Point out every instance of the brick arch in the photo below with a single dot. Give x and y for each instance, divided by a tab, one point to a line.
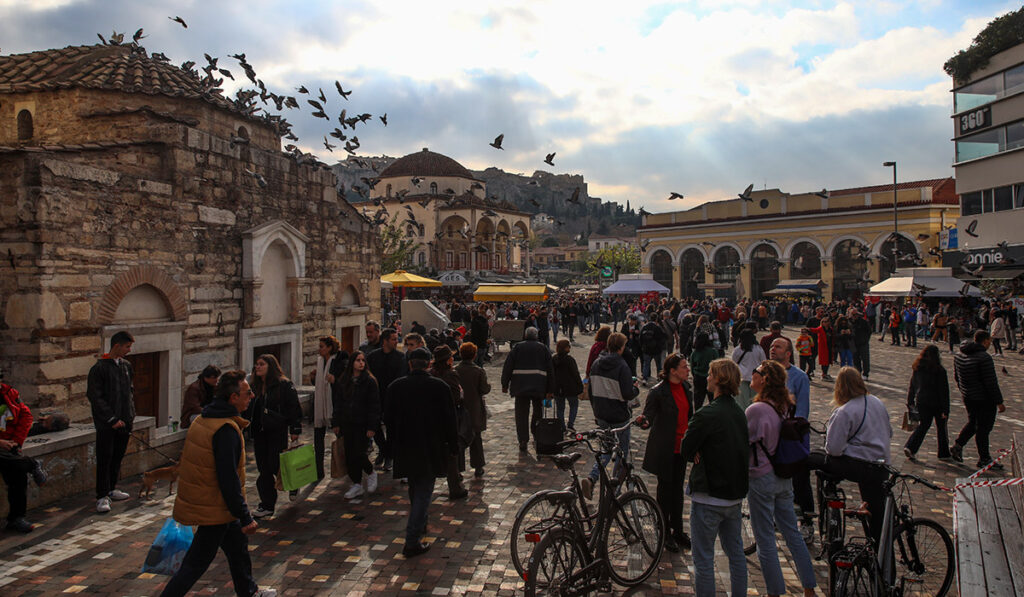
137	276
354	281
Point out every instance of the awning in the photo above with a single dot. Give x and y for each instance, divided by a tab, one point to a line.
926	286
403	279
1009	273
635	287
511	292
791	292
805	284
715	286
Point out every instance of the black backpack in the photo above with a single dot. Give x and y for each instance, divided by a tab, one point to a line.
649	341
790	455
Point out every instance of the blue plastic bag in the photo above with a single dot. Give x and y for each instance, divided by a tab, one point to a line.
168	549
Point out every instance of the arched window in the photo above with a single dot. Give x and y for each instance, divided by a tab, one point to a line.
244	152
906	254
25	131
805	262
661	267
387	191
849	264
692	270
764	270
727	269
433	188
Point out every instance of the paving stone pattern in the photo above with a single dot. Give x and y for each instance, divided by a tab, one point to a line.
323	544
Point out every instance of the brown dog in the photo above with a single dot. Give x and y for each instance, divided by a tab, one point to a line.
150	478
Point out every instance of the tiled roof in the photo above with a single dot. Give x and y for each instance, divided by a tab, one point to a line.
126	68
935	183
426	163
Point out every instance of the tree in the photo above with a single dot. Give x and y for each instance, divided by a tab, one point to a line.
624	259
399	249
549	241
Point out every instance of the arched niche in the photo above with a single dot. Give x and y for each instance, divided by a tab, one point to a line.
277	267
143	304
805	261
726	262
764	269
691	267
26	129
661	268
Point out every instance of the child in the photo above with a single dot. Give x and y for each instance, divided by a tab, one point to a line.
805	347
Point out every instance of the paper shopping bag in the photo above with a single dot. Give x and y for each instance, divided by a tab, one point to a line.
339	468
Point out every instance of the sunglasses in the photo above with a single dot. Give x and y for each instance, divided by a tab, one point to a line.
760	372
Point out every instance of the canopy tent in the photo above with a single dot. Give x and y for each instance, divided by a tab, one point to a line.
552	288
923	282
635	287
1006	273
511	292
791	292
803	284
403	279
385	285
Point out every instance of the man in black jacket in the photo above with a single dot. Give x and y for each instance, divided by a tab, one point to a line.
975	374
861	343
387	364
421	423
652	342
529	375
110	394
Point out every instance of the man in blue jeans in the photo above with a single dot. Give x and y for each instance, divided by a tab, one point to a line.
421	419
716	441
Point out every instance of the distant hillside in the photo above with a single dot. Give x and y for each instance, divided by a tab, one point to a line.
551	191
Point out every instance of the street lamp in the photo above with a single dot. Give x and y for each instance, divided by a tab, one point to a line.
895	215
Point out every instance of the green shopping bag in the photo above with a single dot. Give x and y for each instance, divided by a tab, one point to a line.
298	467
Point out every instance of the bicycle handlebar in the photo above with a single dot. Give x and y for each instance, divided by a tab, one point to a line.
599	433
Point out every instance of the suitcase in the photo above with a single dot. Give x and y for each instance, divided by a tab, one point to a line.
548	432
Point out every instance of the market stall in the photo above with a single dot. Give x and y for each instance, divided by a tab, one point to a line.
928	282
511	292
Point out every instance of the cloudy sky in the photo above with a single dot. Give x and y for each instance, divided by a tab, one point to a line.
643	97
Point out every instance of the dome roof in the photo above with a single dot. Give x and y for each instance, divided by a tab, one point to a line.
426	163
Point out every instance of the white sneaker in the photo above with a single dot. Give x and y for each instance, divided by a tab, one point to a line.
103	505
265	593
117	495
371	482
260	512
354	491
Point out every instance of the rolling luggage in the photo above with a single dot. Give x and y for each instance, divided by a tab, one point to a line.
548	432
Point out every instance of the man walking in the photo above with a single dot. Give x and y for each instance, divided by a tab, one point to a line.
110	394
387	364
211	490
421	422
862	331
652	341
975	374
528	374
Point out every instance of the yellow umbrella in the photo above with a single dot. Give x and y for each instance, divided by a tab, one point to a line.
403	279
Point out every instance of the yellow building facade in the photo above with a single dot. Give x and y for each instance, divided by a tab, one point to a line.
845	238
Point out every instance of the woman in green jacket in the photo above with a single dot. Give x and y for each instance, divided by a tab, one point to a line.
703	353
716	441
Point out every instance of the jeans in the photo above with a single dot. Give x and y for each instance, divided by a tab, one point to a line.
910	331
917	437
862	359
525	422
645	364
707	522
845	357
574	405
420	492
603	459
111	445
267	449
770	500
981	417
227	537
15	470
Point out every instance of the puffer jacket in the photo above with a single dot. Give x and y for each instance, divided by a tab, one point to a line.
975	374
611	388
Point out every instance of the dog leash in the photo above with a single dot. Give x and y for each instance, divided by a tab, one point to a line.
150	446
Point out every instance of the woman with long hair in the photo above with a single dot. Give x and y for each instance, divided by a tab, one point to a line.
668	410
475	386
700	359
276	415
568	386
747	355
600	341
929	393
441	367
770	497
356	419
330	364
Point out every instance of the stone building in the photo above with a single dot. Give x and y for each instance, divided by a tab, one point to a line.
133	198
445	209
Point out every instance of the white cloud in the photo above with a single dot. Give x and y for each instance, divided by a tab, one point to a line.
34	5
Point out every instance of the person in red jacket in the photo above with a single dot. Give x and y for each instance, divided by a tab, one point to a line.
15	421
824	354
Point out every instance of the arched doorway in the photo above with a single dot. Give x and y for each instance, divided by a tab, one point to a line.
805	262
849	267
727	270
661	268
764	269
906	255
692	273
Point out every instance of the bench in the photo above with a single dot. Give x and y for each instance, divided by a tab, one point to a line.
990	535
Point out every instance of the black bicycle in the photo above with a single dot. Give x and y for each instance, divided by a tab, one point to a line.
622	544
538	515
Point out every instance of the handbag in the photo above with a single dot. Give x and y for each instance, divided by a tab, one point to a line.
168	549
585	394
339	467
298	467
911	419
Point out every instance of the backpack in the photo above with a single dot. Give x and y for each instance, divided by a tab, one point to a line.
790	456
649	341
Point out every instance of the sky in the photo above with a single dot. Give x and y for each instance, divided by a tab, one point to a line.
643	98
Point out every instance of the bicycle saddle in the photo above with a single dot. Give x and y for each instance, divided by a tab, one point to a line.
565	461
565	498
861	510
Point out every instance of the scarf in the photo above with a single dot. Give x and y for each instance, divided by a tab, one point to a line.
323	407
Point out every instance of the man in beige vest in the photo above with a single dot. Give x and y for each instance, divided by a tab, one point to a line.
211	490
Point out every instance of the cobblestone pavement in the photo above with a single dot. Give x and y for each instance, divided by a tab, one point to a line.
324	544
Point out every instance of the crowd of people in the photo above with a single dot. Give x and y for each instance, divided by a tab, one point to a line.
717	399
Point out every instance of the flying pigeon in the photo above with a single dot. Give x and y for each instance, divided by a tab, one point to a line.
823	193
180	21
497	141
550	159
342	92
745	195
675	195
971	228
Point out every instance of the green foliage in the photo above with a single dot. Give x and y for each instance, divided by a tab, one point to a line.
624	259
399	249
549	241
1001	34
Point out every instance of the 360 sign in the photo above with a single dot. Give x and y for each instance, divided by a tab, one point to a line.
975	119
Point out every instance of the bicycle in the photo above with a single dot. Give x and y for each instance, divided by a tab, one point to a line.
537	515
915	556
624	543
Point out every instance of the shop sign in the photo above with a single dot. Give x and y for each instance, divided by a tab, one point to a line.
975	119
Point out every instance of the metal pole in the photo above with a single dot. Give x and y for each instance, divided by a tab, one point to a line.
895	216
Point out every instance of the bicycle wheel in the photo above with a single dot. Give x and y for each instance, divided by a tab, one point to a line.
535	518
924	558
635	539
747	531
855	581
556	558
635	483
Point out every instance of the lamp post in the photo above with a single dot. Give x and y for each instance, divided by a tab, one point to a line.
895	216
